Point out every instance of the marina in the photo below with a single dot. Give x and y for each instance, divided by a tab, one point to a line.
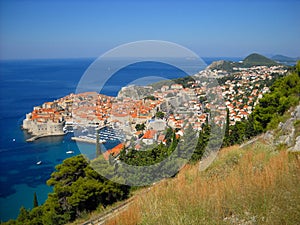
106	134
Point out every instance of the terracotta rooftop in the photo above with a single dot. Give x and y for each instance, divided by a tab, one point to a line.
114	151
150	134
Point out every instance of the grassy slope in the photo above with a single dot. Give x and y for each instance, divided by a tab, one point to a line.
254	185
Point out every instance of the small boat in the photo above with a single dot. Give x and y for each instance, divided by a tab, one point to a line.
70	152
39	163
14	140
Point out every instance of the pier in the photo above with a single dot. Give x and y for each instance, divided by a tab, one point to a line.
33	138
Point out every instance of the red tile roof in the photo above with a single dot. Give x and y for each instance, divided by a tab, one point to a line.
150	134
114	151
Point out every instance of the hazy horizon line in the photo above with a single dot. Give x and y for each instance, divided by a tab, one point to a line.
95	57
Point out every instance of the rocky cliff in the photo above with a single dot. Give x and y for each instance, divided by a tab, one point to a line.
287	133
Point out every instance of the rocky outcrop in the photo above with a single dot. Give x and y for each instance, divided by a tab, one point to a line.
297	145
285	134
135	92
222	65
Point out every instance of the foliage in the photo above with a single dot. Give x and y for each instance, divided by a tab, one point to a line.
203	139
160	115
150	97
35	200
226	141
139	127
77	189
284	94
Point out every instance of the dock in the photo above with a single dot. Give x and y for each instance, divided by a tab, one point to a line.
33	138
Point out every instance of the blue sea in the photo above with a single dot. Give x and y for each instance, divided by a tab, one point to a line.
28	83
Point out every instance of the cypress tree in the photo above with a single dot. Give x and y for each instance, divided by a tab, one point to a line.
35	200
226	136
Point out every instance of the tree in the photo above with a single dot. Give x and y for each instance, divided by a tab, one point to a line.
249	128
284	94
203	139
36	215
79	188
226	135
173	144
23	216
169	135
139	127
237	133
160	115
35	200
151	97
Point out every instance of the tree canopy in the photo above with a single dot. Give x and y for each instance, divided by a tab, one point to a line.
77	189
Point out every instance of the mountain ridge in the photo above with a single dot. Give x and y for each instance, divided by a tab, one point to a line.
285	59
253	59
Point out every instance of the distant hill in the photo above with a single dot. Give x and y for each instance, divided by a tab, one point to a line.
251	60
223	65
285	59
258	60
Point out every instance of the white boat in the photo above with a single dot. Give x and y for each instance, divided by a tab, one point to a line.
39	163
70	152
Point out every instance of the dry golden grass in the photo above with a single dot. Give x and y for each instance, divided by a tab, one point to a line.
252	186
131	216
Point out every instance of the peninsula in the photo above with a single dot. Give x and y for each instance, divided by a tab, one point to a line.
169	105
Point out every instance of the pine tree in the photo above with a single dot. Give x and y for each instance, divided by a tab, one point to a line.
23	215
35	200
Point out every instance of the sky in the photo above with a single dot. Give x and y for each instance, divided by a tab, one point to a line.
77	29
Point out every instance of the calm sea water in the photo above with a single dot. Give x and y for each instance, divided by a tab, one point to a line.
27	83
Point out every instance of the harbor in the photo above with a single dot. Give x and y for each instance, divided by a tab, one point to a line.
106	134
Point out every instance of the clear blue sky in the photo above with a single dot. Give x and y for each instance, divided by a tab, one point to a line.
59	29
